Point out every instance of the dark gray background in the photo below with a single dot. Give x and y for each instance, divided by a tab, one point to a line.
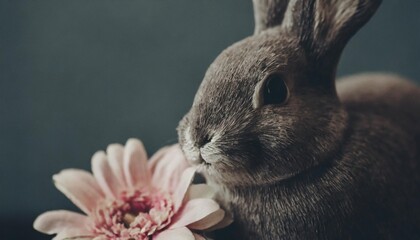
77	75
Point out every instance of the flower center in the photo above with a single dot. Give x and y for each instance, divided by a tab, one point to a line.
128	218
135	215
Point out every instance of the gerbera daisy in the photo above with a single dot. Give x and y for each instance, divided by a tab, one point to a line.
130	198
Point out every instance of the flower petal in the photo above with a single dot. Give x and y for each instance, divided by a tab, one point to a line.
201	191
115	153
154	160
167	166
80	187
182	233
135	164
198	237
182	188
226	221
194	211
209	221
72	234
104	175
96	238
60	221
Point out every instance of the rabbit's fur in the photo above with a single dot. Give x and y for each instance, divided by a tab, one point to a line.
334	161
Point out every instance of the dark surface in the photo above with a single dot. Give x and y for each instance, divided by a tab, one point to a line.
78	75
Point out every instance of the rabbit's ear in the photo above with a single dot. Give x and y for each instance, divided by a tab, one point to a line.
325	26
268	13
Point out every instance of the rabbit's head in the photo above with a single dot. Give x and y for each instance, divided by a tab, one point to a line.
267	108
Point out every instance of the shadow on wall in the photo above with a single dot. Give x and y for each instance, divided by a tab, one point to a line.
78	75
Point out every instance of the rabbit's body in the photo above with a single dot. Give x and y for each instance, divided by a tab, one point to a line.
368	188
295	155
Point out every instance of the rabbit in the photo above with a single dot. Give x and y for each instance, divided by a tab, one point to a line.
295	154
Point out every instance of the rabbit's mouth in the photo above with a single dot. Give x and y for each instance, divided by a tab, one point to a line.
195	157
203	153
204	166
201	165
202	161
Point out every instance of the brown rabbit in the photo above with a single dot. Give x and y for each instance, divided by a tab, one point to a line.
296	156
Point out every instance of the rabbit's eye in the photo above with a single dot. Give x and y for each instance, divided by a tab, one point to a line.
275	90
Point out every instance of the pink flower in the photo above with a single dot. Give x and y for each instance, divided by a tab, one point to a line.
129	198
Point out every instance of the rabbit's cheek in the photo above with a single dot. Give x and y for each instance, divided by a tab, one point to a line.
192	153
